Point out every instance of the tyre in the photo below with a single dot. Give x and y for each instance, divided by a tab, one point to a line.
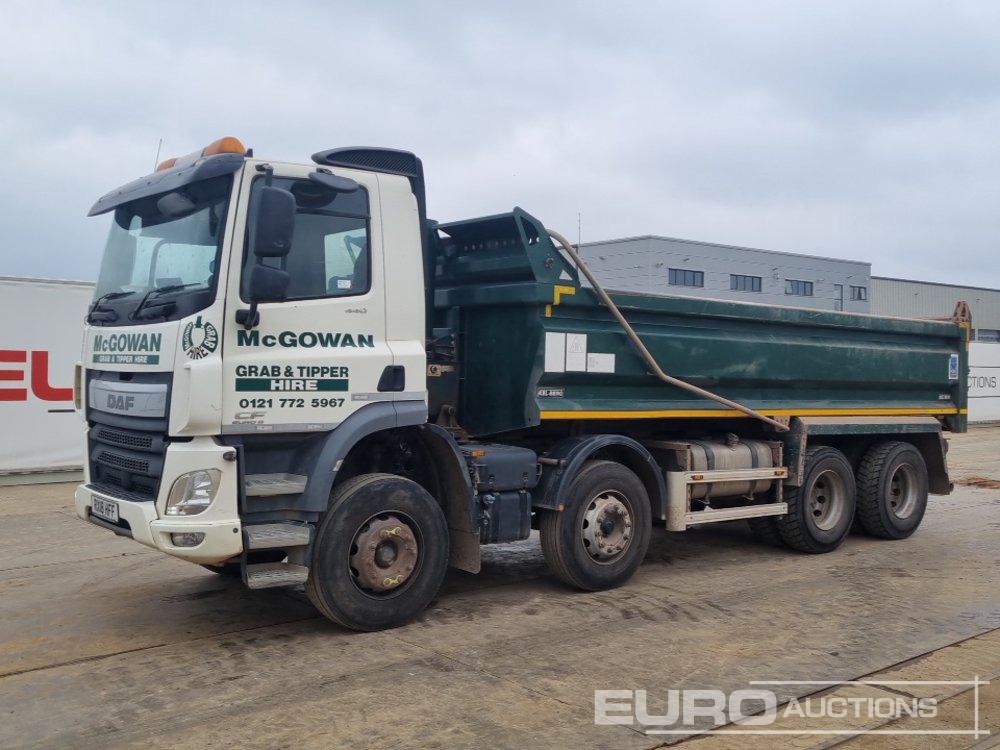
380	554
765	529
892	490
601	536
821	510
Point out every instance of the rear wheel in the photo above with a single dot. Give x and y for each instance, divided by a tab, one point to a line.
600	538
821	509
380	554
892	490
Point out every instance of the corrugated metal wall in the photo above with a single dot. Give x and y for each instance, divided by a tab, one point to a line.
921	299
642	264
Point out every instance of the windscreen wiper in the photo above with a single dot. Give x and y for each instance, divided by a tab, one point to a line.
95	314
160	309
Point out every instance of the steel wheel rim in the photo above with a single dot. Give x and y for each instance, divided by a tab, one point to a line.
607	527
827	500
902	496
384	556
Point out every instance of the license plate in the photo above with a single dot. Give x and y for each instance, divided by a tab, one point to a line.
106	509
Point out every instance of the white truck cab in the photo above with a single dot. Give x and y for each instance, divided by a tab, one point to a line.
171	382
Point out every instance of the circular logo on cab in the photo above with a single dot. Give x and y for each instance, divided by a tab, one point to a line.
200	339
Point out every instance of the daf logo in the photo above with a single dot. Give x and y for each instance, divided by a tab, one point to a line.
133	399
120	402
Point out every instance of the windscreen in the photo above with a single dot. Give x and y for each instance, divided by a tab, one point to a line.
166	246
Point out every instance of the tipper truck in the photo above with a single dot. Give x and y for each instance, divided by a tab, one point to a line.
291	375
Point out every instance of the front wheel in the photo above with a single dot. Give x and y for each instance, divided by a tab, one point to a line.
821	509
600	538
380	554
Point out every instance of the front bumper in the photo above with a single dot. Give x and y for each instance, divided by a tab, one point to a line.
147	523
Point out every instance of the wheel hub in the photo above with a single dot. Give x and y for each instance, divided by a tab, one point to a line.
607	527
827	499
903	492
384	554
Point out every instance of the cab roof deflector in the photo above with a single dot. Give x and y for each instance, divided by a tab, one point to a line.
167	180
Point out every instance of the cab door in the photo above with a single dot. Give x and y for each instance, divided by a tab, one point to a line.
317	356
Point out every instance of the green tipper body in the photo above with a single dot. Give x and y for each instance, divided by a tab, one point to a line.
521	343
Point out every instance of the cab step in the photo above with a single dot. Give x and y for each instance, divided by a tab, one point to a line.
272	575
278	535
266	485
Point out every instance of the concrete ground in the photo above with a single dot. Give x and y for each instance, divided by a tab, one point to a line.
106	644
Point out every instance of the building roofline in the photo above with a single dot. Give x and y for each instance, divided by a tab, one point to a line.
722	244
36	280
936	283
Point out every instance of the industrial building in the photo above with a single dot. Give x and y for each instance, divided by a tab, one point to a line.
926	299
667	265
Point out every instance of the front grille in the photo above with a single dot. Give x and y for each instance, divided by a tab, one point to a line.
125	463
134	465
142	489
123	438
126	453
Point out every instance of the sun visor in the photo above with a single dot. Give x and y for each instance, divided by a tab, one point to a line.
169	179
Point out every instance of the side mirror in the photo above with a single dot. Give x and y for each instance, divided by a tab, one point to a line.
268	284
274	222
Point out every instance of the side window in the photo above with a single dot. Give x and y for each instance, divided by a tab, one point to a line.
330	254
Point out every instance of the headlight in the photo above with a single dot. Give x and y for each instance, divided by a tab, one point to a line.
193	492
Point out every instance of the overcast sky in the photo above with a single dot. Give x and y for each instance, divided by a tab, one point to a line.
860	130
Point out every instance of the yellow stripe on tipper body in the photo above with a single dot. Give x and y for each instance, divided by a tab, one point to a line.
662	413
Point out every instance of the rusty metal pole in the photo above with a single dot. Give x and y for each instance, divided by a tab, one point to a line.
644	352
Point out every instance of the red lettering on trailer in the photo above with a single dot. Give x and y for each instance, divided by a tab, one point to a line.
13	356
40	380
39	369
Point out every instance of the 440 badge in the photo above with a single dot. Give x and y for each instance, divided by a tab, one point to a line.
200	338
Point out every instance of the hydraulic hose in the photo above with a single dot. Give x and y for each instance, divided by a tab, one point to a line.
644	352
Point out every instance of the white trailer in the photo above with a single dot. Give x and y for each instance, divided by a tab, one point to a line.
984	382
39	347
